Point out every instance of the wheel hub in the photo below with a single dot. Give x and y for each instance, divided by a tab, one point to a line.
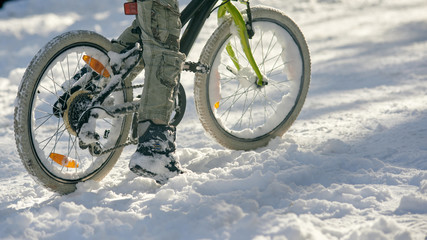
77	104
247	78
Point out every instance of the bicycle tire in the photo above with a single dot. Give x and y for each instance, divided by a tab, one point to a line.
227	121
40	87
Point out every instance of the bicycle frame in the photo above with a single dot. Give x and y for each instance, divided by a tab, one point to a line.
196	13
194	16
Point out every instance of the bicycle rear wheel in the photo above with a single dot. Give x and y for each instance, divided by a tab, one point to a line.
232	108
45	131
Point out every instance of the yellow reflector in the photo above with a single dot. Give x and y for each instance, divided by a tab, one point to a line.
64	160
216	105
96	65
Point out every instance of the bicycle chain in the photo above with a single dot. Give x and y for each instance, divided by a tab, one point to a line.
123	88
125	144
108	150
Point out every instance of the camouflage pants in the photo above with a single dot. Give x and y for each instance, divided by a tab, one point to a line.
160	27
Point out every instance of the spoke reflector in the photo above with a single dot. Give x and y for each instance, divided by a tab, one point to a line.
64	160
96	65
216	105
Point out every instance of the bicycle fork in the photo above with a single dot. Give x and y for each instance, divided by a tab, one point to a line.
245	32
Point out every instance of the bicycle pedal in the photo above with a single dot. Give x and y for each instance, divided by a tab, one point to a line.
196	67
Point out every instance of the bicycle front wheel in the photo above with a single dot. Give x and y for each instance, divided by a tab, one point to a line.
233	109
45	120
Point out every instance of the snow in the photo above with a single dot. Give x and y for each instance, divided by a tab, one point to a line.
353	165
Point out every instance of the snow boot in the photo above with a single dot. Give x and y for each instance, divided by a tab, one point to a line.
155	155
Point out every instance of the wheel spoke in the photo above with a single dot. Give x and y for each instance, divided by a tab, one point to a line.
235	97
43	122
54	135
244	110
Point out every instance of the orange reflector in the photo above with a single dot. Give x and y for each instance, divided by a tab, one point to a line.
64	160
216	105
96	65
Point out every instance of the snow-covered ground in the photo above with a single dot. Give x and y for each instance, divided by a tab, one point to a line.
353	166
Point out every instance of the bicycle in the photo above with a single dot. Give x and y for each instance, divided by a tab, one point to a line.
75	110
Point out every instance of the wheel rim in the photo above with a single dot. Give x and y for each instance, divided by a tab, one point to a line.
241	109
49	134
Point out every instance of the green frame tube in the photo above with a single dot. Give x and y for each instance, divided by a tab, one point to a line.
244	38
